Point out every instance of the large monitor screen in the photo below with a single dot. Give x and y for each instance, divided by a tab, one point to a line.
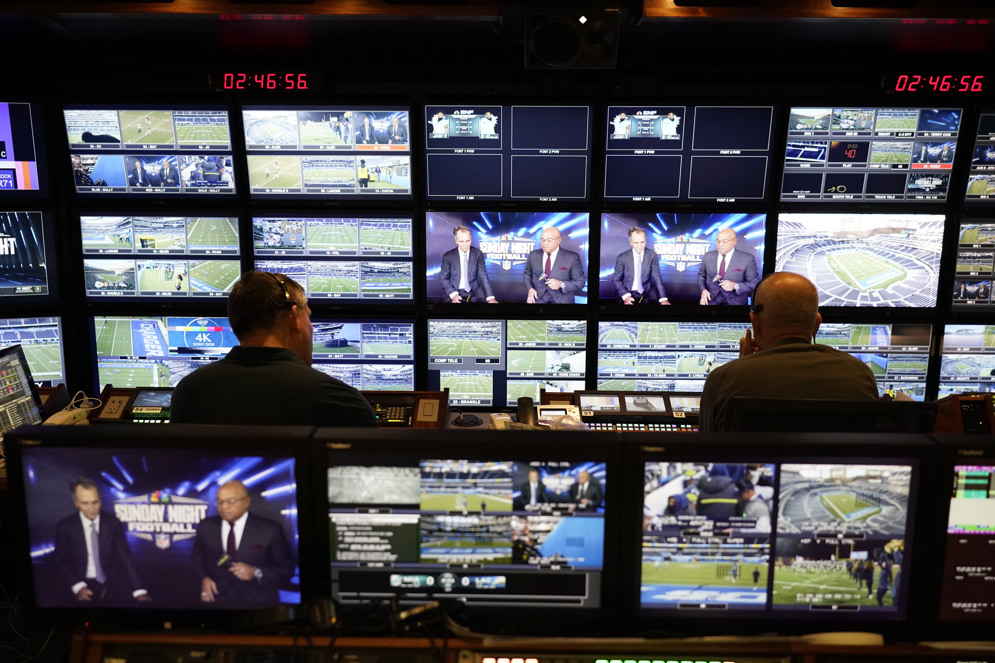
41	341
706	153
146	151
369	355
346	259
26	242
866	154
897	354
504	153
328	152
523	257
981	180
159	256
664	356
864	260
495	362
967	359
510	532
805	539
22	153
680	257
152	521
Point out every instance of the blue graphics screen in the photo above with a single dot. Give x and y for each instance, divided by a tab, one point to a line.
678	244
158	520
20	148
711	153
508	257
25	238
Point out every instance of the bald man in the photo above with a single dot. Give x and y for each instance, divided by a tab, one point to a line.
727	275
779	359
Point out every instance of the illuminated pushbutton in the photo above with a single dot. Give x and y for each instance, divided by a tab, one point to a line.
488	659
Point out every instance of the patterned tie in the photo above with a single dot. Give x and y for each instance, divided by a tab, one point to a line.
98	568
549	265
722	267
231	540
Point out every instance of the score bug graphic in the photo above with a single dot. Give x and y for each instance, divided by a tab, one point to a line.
209	336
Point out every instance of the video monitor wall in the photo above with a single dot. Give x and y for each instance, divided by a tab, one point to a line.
22	158
330	152
967	359
142	151
663	356
369	355
688	153
507	153
507	256
159	511
807	540
514	532
981	179
864	260
41	341
145	256
26	242
867	154
157	351
897	354
346	259
495	362
975	266
682	257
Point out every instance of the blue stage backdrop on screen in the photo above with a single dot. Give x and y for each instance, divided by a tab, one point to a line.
506	252
678	243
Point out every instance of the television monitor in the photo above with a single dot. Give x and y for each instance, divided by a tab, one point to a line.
20	404
896	353
41	341
356	259
432	518
975	265
967	359
159	256
688	153
777	529
332	152
513	263
495	362
864	260
160	151
981	178
370	355
157	497
866	154
680	242
27	244
507	153
157	351
663	356
23	167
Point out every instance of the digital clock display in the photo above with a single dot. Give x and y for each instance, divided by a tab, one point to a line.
932	83
264	80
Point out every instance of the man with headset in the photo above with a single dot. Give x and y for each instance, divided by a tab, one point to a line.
267	378
780	360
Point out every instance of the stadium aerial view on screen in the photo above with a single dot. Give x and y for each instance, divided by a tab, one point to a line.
871	260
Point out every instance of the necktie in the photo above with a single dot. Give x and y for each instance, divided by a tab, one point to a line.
98	568
580	493
231	540
532	487
549	265
637	279
464	282
722	267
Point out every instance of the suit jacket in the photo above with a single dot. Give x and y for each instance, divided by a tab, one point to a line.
741	269
650	274
567	268
525	498
476	278
397	135
169	177
133	178
264	545
363	139
593	492
115	555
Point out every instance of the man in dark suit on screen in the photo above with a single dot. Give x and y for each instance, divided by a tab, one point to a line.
463	272
137	175
586	494
552	274
645	283
242	559
168	174
92	553
727	275
532	493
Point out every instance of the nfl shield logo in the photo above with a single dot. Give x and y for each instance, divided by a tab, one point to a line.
162	541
